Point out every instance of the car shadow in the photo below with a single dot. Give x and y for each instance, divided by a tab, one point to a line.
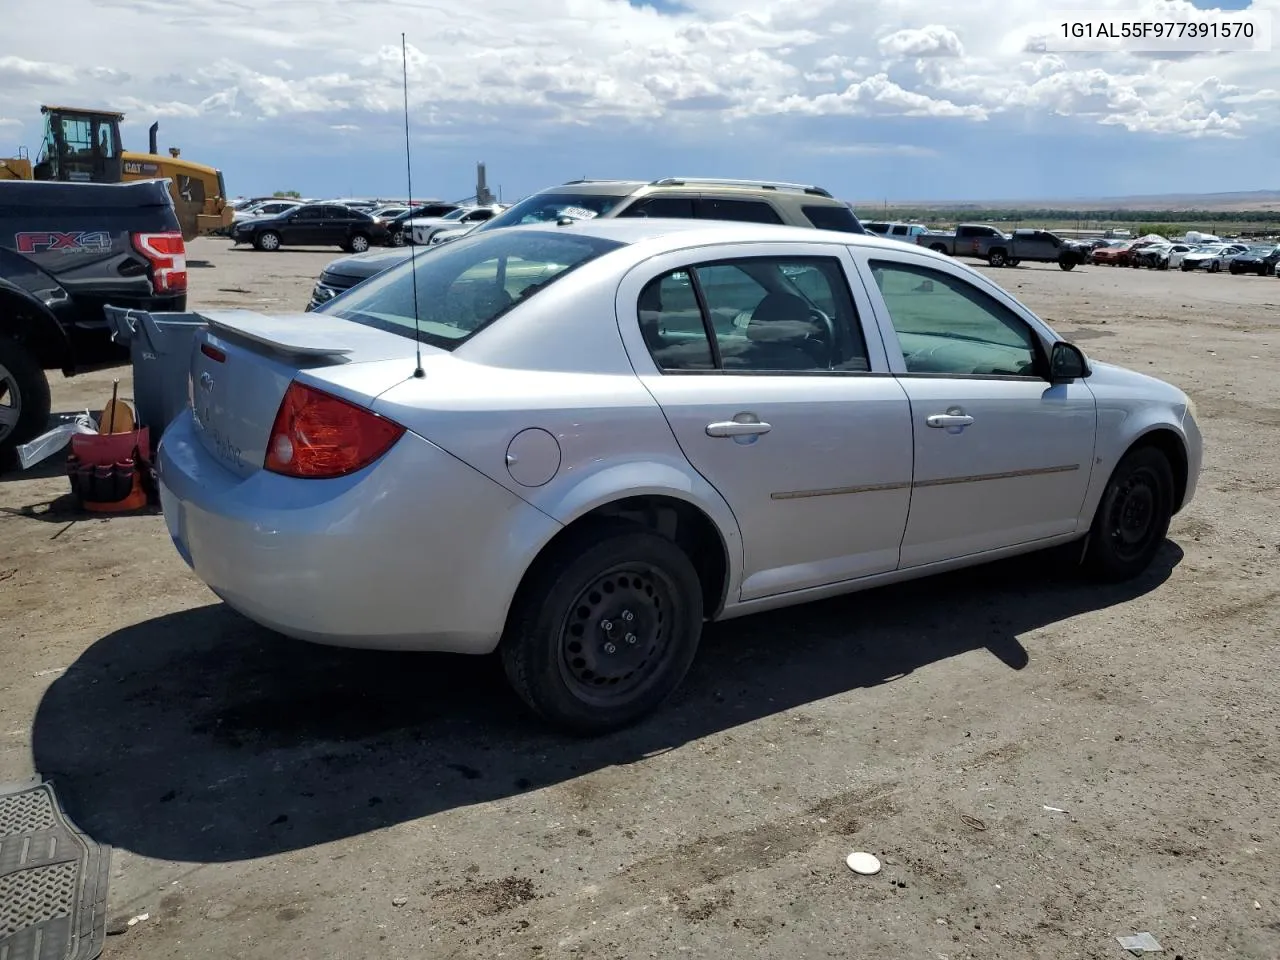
198	736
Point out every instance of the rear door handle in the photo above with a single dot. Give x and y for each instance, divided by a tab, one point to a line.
949	420
737	428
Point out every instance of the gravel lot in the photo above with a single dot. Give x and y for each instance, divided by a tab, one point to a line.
1116	746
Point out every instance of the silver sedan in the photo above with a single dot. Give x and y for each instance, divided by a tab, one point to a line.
578	443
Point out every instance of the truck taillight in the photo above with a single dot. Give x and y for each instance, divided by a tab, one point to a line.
167	254
318	435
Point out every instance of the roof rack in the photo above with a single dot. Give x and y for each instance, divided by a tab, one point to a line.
758	184
594	180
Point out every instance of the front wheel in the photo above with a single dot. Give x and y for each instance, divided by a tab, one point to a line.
1215	267
397	239
24	396
604	628
1066	264
1132	518
997	258
268	241
358	243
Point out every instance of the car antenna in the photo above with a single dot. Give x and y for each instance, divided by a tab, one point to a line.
418	372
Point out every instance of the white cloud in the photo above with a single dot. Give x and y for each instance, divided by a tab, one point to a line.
524	65
9	122
930	41
874	150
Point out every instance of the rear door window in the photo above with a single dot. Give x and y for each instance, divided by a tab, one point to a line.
751	211
679	207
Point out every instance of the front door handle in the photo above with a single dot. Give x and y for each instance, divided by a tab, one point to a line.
949	420
737	428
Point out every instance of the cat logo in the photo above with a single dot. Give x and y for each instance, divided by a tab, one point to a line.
140	168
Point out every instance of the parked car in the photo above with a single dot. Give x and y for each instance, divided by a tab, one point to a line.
66	249
1157	256
312	225
1035	246
1176	256
1259	258
908	232
421	229
264	208
755	201
430	209
1211	257
962	242
547	489
1114	254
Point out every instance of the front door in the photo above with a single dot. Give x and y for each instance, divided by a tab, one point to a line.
778	396
1002	456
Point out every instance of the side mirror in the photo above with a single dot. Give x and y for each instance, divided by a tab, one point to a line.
1067	362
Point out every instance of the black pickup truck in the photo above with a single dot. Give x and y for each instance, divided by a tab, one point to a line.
67	250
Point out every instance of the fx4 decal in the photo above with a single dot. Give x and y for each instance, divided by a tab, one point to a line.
73	241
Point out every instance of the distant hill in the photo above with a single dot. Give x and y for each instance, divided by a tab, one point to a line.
1251	200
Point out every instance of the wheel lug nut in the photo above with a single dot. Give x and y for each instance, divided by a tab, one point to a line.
610	648
606	625
630	638
628	615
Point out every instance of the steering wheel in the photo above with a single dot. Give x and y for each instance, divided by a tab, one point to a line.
828	340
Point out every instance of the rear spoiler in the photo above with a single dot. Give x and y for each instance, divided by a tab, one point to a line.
291	334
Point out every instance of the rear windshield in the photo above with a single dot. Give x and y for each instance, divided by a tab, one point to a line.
464	286
833	218
549	206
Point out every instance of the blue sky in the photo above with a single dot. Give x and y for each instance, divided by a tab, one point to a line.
875	99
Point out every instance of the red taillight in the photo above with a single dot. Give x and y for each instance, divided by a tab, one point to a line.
318	435
167	254
213	353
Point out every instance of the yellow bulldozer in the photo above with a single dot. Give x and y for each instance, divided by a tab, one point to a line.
84	145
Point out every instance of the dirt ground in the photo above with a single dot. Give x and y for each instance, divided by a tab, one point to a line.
1042	765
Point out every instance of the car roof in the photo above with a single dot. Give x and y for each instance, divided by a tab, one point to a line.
683	233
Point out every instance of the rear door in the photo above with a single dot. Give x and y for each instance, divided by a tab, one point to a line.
779	394
1002	456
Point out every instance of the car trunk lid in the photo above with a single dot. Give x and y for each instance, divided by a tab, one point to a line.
243	362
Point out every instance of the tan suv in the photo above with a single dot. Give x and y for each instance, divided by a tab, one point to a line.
755	201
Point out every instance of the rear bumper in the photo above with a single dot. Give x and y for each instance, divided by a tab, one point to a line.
416	552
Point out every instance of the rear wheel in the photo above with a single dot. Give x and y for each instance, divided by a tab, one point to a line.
1133	516
1014	262
358	243
604	628
397	239
997	258
24	396
268	241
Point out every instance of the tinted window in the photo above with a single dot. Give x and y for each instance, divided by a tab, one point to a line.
948	326
338	213
766	315
680	207
309	213
464	286
876	226
833	218
751	211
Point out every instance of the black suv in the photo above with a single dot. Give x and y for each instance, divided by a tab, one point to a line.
312	225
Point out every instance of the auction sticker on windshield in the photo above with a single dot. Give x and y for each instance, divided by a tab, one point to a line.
579	213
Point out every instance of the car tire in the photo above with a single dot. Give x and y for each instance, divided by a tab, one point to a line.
1215	267
268	241
1066	264
358	243
997	258
565	650
1132	519
24	386
1014	262
939	248
397	239
1186	268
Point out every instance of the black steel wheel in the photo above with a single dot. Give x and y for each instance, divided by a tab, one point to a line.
24	397
604	628
1133	516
